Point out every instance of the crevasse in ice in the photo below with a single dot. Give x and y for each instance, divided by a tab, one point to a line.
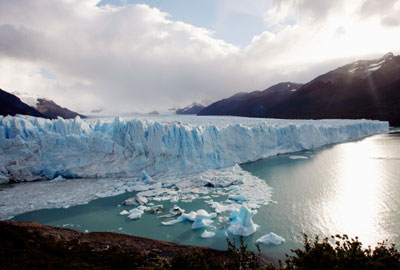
34	148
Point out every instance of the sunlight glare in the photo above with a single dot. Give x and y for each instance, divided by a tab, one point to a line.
355	208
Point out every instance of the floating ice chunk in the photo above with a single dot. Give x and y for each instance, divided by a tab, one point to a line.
139	186
271	239
124	212
220	208
204	213
240	198
176	210
201	222
137	213
223	219
207	234
141	200
172	222
58	178
242	223
155	209
147	178
202	219
110	193
137	200
153	190
189	216
298	157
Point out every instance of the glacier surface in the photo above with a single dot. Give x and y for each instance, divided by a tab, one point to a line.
40	149
159	158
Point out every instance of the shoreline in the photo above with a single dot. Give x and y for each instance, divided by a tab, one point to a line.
99	242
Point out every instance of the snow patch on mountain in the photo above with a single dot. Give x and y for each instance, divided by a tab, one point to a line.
368	66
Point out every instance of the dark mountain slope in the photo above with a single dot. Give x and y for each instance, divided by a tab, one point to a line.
364	89
53	110
254	104
12	105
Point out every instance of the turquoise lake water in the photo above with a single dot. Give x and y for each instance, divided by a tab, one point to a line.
351	188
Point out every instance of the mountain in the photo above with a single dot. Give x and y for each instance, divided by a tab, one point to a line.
363	89
193	108
53	110
47	107
254	104
12	105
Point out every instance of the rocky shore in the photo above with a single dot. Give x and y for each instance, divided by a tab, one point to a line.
29	245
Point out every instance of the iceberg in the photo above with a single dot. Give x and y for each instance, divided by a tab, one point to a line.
124	212
137	213
147	178
298	157
270	239
174	211
242	223
41	149
137	200
203	219
207	234
200	219
220	207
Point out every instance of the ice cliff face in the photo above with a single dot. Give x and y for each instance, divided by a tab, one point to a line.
34	148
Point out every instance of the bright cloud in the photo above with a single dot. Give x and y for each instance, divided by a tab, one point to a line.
135	58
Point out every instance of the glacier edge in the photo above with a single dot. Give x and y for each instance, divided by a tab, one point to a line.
40	149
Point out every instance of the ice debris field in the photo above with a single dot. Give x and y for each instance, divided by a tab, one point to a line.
160	159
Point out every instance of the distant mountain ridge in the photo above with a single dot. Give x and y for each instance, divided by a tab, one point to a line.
253	104
193	108
363	89
39	107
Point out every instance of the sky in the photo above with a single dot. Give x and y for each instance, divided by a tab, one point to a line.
126	56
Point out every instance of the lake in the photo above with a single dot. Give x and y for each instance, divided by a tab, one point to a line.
351	188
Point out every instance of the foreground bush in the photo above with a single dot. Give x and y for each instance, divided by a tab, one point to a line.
345	253
24	249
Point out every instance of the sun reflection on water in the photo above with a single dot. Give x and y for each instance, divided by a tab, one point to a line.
356	207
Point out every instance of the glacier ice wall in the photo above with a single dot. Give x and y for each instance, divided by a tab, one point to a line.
34	148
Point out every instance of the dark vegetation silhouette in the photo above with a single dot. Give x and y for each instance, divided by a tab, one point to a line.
21	248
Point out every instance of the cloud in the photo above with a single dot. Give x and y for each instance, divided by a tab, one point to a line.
135	58
376	7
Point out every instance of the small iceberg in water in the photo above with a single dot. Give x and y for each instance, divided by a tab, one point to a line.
298	157
207	234
270	239
242	223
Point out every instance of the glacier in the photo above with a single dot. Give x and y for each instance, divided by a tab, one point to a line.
40	149
172	158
